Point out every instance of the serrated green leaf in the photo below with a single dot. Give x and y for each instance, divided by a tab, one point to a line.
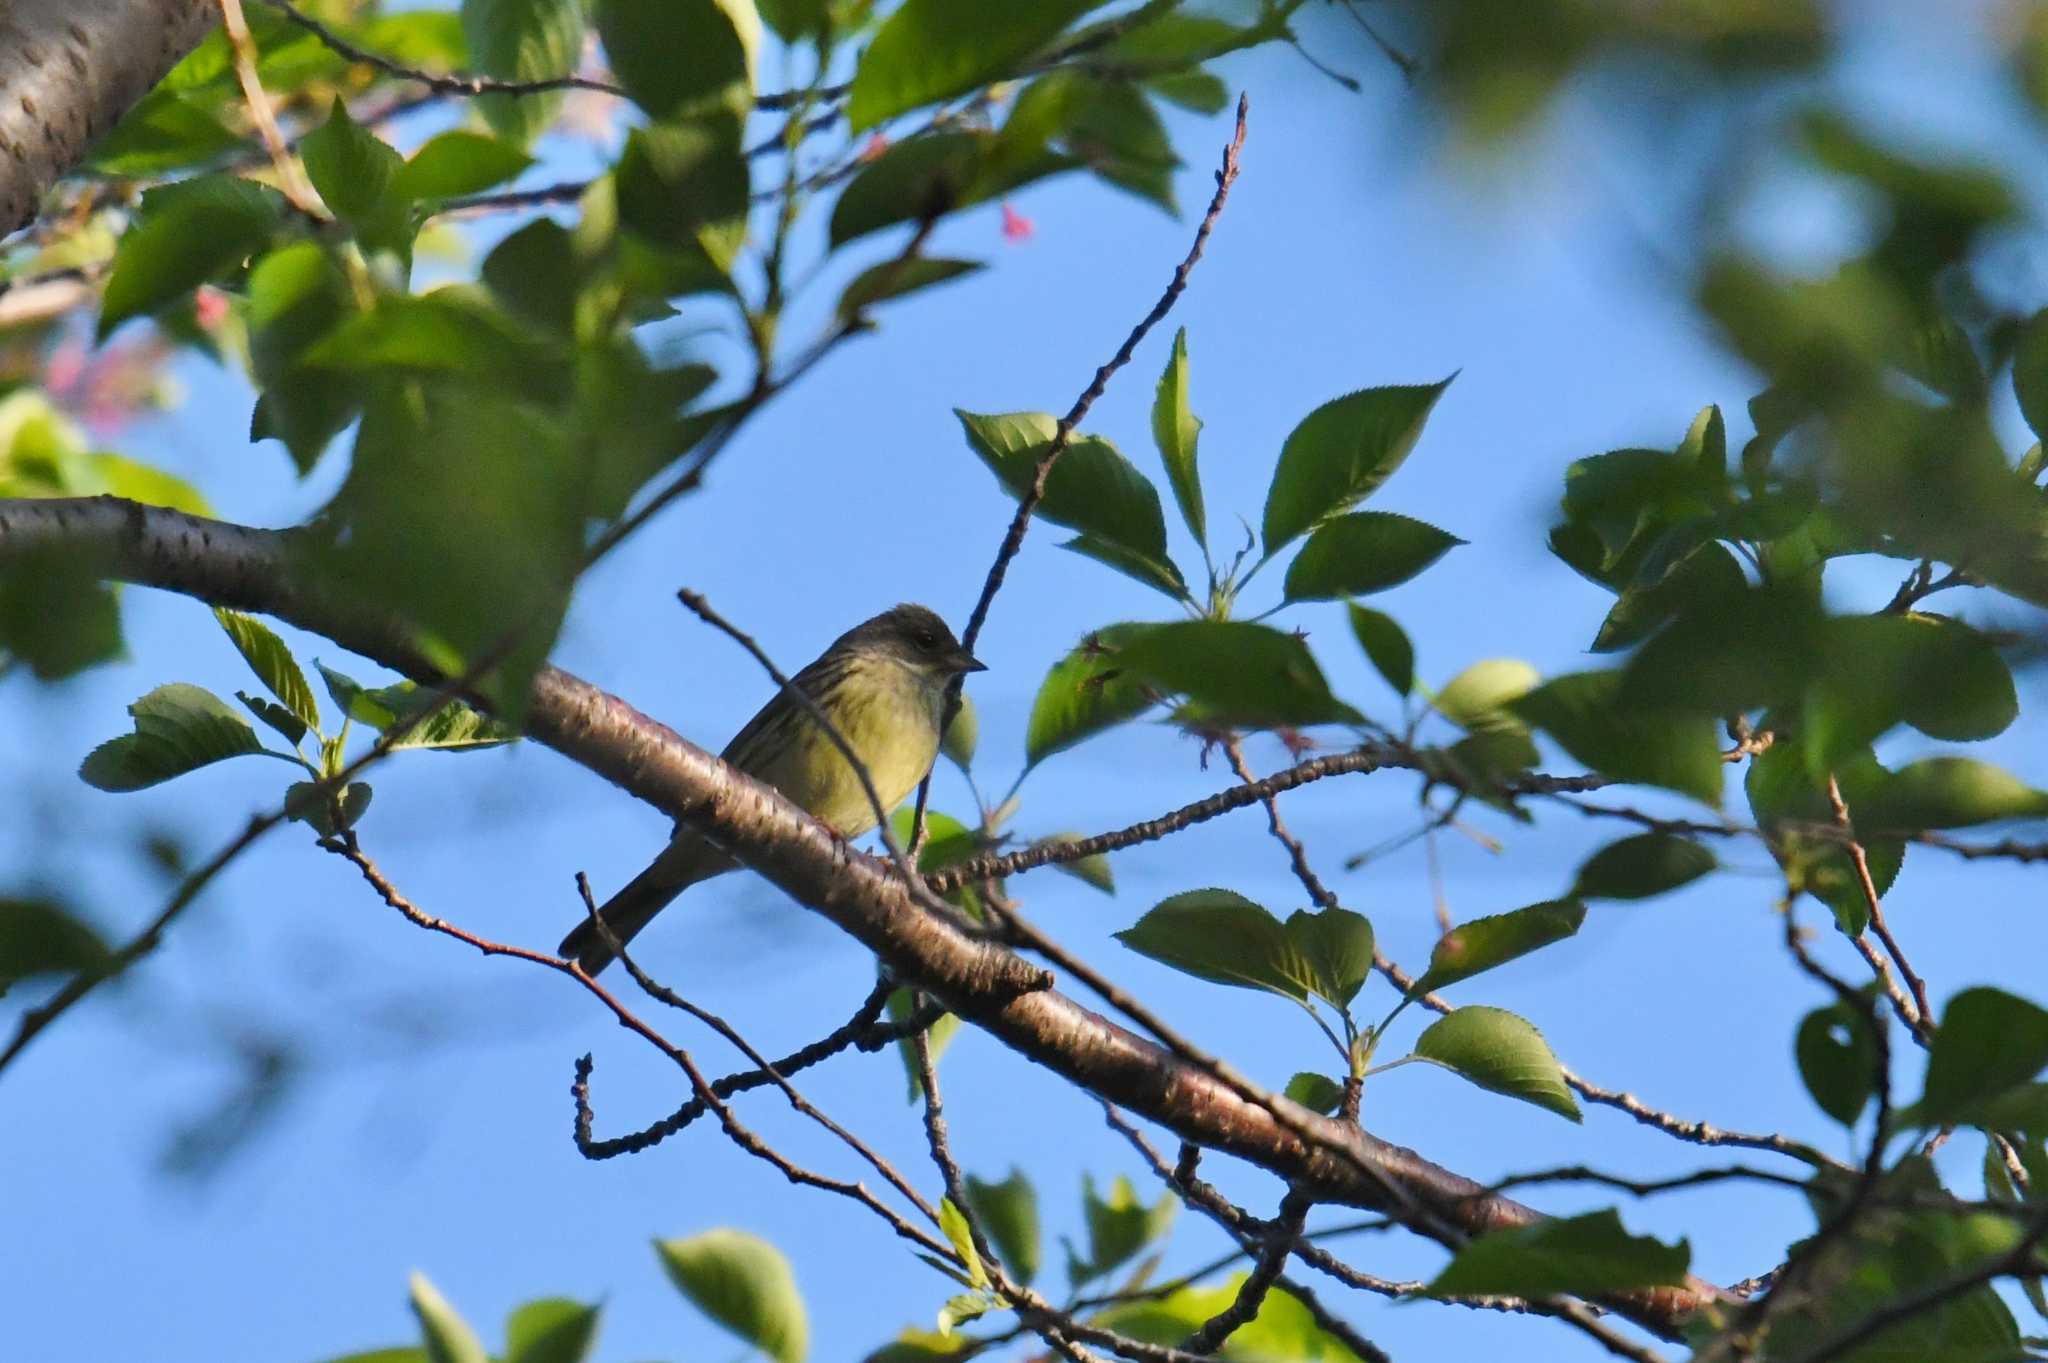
929	50
1339	944
1008	1213
272	663
1366	551
1237	672
1386	644
1176	431
1092	488
1585	1255
1642	866
1084	693
353	169
745	1284
1220	935
447	1336
1584	713
178	728
1340	454
1160	574
186	234
953	1222
1317	1092
1484	943
1500	1052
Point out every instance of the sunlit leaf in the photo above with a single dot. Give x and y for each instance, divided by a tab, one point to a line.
745	1284
1220	935
1642	866
1500	1052
1086	692
1484	943
1176	431
447	1336
1366	551
1238	672
178	728
1008	1213
1340	454
929	50
1584	1255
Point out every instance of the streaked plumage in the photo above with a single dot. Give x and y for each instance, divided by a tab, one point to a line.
883	684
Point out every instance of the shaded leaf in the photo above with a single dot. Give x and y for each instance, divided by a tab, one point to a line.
1673	749
1340	454
272	663
1641	866
458	162
1086	692
178	728
1988	1042
1386	644
1316	1092
1948	792
934	175
1119	1225
929	50
1584	1255
1094	870
1483	943
38	937
1008	1213
1500	1052
895	278
1160	574
1339	944
1837	1058
677	57
1220	935
1366	551
1239	673
522	40
186	234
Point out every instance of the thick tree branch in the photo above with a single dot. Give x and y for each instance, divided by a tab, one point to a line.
68	70
255	570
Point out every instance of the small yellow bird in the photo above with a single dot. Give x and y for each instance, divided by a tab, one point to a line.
883	686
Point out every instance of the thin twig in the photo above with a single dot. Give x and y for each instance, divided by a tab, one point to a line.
290	177
1919	1019
1281	1234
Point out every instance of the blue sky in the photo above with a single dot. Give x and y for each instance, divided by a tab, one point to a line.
1361	247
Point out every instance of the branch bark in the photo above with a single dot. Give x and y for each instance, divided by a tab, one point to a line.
68	70
253	570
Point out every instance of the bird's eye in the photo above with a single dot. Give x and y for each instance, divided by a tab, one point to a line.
927	639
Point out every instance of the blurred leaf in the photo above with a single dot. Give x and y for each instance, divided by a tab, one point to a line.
522	40
1008	1213
1386	644
963	734
315	804
1093	870
457	162
2030	372
1501	1053
1784	796
1118	1226
1706	575
1480	696
1316	1092
1339	944
1117	133
185	234
1483	943
1092	487
1837	1059
178	728
745	1284
38	937
677	57
1948	792
56	614
1340	454
353	169
1585	714
138	482
940	1034
677	181
929	50
551	1330
1086	692
1988	1041
1200	92
953	1222
165	130
1176	431
534	272
297	296
1220	935
272	663
1876	671
1367	551
1642	866
933	175
445	332
895	278
448	1337
452	725
1240	673
1585	1255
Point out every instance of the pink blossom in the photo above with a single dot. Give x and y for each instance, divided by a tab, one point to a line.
1016	227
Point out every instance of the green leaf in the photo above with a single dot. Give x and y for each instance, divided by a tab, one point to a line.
272	663
1200	92
895	278
534	272
1785	798
1339	944
445	332
1988	1041
1367	551
1948	792
1673	749
745	1284
933	175
1315	1092
37	937
1386	644
1086	692
1836	1056
1239	673
186	234
455	163
275	715
1120	136
454	725
1340	454
1176	431
940	1034
1160	574
1585	1255
447	1336
677	182
2030	372
962	735
138	482
953	1222
1641	866
167	130
297	296
353	169
1478	697
1483	943
1706	575
1008	1213
1118	1225
1500	1052
56	614
679	57
1876	671
551	1330
314	804
1090	870
1092	487
930	50
178	728
1220	935
523	40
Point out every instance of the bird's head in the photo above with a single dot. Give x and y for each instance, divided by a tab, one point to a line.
916	637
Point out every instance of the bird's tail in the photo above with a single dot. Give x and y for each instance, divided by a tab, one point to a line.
680	866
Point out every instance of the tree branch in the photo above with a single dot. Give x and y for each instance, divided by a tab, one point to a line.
255	570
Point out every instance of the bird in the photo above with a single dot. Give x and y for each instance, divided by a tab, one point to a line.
883	685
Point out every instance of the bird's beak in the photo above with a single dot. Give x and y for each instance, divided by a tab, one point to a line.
964	662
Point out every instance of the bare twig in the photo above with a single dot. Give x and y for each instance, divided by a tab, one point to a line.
290	177
1251	1293
1919	1018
